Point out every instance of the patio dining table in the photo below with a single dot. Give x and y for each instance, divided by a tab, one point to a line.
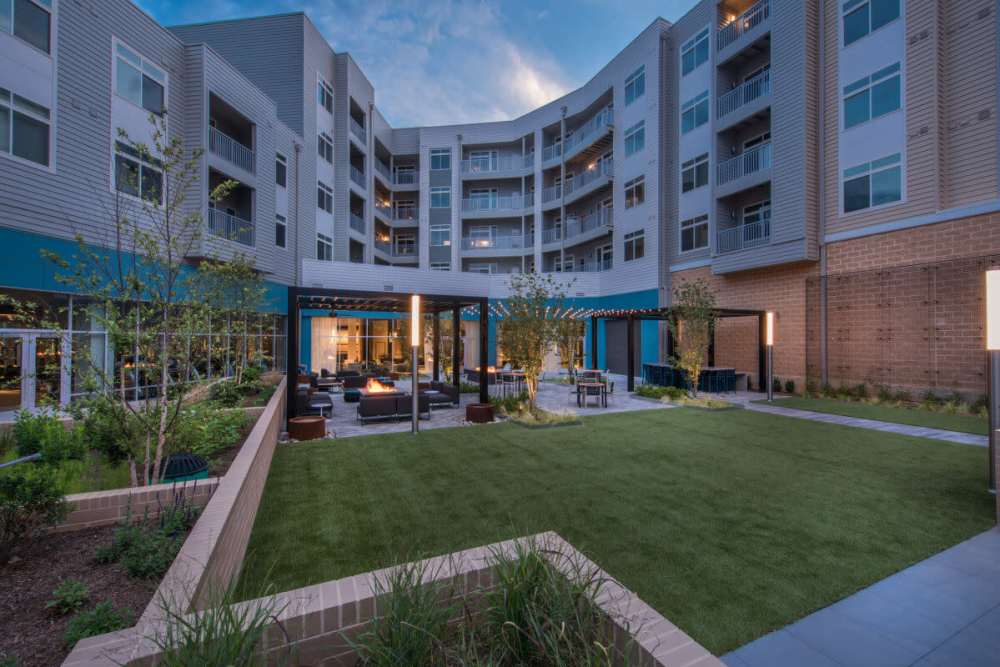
584	390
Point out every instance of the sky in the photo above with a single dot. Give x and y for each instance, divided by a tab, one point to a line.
437	62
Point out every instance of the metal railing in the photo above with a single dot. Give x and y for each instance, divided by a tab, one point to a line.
551	152
746	21
576	226
383	168
396	251
602	170
385	210
358	130
231	150
744	236
357	223
504	242
230	227
405	213
508	203
493	164
406	177
745	93
748	162
595	265
552	235
551	193
529	160
586	133
357	176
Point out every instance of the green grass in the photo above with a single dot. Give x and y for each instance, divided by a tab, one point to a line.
87	475
730	524
896	415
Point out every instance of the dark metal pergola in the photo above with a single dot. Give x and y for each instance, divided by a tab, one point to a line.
668	314
334	300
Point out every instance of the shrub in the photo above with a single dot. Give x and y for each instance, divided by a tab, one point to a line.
978	406
206	431
902	396
468	388
104	617
776	384
147	549
789	386
69	596
508	404
225	393
43	433
828	391
252	375
883	393
150	555
108	426
30	499
859	392
7	444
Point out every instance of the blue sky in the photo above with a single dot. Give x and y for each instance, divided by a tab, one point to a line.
450	61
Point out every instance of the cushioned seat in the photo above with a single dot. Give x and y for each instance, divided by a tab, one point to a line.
352	395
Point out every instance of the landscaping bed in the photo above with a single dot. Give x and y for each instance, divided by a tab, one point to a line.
910	414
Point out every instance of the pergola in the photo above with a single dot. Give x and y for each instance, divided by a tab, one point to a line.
361	302
667	314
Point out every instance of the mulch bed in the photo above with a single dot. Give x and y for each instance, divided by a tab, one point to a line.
28	631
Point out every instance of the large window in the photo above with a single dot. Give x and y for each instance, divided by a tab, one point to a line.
24	128
324	199
324	247
635	191
872	96
862	17
873	183
440	159
694	52
138	80
280	229
441	197
280	170
635	85
324	95
137	174
635	245
29	20
694	113
635	138
694	233
440	235
694	173
324	147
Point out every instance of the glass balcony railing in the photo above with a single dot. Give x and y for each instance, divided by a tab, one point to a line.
406	177
358	130
357	223
495	164
383	169
508	203
499	242
603	169
358	176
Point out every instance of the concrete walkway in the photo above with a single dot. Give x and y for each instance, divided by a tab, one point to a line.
944	611
747	399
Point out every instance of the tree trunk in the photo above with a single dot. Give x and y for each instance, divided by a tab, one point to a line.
133	473
161	405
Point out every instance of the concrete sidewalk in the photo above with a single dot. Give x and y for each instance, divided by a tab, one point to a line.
944	611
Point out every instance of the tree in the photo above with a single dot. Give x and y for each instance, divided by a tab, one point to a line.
139	285
569	333
693	325
529	328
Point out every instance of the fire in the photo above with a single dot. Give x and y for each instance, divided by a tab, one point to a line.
376	387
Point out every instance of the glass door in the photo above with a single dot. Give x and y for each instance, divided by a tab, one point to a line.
11	372
48	371
34	372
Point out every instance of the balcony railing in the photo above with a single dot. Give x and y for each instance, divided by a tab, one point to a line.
230	227
602	170
552	235
596	265
598	219
383	168
229	149
551	193
745	22
509	203
529	160
744	236
551	152
357	223
505	242
406	177
405	213
396	250
492	164
750	161
358	130
585	133
745	93
357	176
384	209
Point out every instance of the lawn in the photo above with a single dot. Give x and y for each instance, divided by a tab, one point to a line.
910	416
730	524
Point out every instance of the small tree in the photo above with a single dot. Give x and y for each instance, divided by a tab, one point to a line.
569	332
693	326
30	500
529	329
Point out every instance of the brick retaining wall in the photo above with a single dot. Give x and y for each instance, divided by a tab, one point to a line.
105	508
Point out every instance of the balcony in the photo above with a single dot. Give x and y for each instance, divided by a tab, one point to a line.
750	168
407	177
404	252
358	176
588	181
595	265
230	227
405	214
588	133
514	204
742	237
382	169
384	210
496	164
358	130
743	97
552	193
551	152
599	221
552	235
745	24
357	223
231	150
504	242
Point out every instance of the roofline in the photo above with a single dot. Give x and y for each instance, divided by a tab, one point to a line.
237	20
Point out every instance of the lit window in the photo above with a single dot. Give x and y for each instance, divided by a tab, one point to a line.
324	147
694	52
24	128
440	159
694	173
694	233
862	17
441	197
324	197
324	247
440	235
635	191
635	138
694	113
872	96
635	245
873	183
279	230
138	80
29	20
138	174
635	85
324	95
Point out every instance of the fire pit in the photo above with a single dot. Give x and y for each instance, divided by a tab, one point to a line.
376	388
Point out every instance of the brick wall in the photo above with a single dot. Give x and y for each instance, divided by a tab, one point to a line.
105	508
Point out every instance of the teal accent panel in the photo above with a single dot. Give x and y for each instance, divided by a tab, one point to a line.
650	342
305	341
601	344
491	342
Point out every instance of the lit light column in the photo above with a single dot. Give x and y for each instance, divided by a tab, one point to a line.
993	367
769	342
414	349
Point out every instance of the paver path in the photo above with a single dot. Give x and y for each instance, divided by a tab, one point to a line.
944	611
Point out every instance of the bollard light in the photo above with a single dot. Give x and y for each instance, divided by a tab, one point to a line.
414	345
769	342
993	370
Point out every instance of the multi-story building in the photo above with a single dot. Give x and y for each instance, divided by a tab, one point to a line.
792	153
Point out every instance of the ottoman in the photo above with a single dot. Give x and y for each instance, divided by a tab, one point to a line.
352	395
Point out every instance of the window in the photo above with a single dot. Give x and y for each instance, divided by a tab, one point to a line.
635	245
324	197
441	197
873	184
440	266
406	209
480	267
694	233
280	170
324	95
24	128
440	159
694	52
635	85
440	235
324	247
872	96
29	20
635	191
325	147
757	213
862	17
635	138
138	175
138	80
279	230
694	173
694	113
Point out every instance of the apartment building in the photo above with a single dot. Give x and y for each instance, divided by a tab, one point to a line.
798	155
